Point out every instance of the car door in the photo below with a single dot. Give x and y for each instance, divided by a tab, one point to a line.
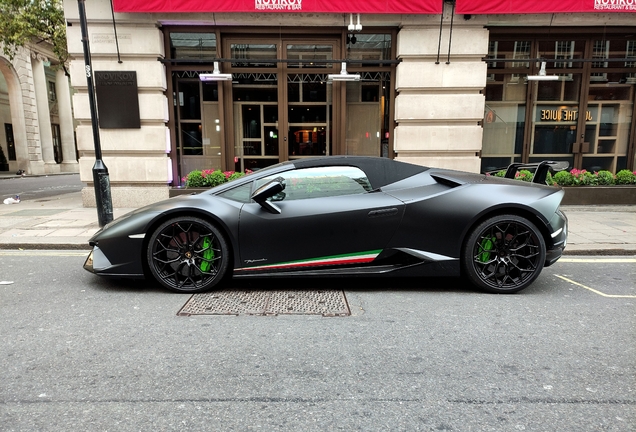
328	216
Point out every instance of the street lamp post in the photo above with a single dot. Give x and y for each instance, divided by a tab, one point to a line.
101	180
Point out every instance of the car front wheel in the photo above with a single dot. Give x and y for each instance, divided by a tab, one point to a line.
504	254
187	255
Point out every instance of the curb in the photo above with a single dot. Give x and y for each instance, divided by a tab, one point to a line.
45	246
13	176
601	252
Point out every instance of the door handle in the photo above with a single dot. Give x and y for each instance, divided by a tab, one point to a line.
383	212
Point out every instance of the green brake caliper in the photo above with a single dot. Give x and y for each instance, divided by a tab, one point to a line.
486	247
208	255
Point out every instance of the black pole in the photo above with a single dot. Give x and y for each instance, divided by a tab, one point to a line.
450	34
112	11
439	41
101	181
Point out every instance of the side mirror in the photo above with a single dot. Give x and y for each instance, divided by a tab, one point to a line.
268	190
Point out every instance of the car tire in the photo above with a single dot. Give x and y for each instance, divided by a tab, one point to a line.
504	254
188	255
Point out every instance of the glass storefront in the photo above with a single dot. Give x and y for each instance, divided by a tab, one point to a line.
279	104
582	113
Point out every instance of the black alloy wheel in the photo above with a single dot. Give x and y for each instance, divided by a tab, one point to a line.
188	255
504	254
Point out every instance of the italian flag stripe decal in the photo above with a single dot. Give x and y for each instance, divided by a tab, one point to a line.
354	258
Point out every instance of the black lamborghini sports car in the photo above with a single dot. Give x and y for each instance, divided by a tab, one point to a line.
343	216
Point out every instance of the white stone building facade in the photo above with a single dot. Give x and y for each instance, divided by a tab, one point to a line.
36	112
428	95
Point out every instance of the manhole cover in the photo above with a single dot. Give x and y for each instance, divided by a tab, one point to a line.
242	302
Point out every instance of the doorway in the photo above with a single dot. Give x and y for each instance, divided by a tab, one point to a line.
278	104
8	131
282	110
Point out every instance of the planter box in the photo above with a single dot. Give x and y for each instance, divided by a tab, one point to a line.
183	191
576	195
599	195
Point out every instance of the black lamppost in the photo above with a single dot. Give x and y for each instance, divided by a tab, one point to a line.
101	181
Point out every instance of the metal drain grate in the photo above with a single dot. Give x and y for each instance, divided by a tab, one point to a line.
241	302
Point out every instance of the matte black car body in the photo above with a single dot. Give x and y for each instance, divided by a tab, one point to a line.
415	221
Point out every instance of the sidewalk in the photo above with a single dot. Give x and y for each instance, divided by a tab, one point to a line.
60	222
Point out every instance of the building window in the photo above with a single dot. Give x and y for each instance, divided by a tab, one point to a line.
197	46
584	117
52	92
368	47
253	55
630	53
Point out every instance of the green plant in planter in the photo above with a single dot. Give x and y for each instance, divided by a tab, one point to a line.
210	178
563	178
214	178
524	175
625	177
549	180
195	179
605	178
583	178
578	177
234	175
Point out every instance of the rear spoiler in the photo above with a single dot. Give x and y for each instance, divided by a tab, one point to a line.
540	169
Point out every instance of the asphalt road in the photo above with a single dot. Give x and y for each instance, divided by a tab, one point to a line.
33	188
82	353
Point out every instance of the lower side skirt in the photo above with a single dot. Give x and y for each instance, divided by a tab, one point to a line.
440	268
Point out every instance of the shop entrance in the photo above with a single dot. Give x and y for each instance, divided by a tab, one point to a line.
281	110
278	104
580	111
590	133
266	132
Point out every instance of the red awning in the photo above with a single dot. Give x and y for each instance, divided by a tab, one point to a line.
543	6
320	6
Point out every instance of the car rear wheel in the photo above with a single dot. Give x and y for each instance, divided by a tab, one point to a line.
504	254
188	255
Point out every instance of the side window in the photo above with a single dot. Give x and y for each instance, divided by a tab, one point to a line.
321	182
240	193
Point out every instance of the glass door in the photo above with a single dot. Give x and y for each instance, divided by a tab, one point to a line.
255	101
255	109
284	108
308	116
555	115
281	109
367	103
198	120
555	120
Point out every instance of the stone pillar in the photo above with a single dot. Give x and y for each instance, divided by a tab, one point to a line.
69	156
439	104
44	115
137	159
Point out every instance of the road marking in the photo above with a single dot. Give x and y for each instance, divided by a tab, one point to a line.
43	253
593	290
598	260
